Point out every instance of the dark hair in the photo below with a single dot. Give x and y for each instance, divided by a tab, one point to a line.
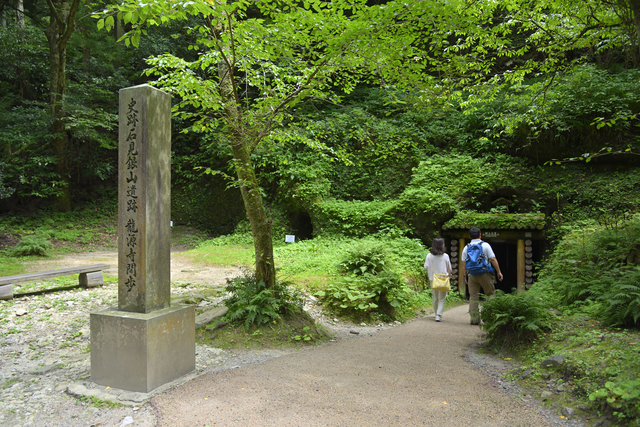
475	233
437	247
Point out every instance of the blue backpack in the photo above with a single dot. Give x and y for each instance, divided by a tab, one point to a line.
476	262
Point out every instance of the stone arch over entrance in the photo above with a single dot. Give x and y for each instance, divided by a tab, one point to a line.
516	240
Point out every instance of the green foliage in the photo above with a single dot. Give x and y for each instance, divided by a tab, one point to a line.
4	191
563	124
252	304
66	235
304	336
592	193
99	403
10	265
443	185
362	295
32	245
89	113
24	55
511	320
369	286
349	293
364	257
622	396
355	218
621	301
493	221
29	161
595	264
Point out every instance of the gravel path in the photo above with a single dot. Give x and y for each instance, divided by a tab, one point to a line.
418	373
413	374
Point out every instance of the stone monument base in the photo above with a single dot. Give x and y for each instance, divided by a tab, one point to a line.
142	351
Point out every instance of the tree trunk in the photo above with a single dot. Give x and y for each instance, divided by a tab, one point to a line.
61	26
20	14
257	215
635	11
260	222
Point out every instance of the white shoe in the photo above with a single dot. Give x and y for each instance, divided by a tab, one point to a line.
438	318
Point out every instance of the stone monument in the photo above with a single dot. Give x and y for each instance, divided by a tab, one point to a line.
145	342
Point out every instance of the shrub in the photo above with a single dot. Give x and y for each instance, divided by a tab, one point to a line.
354	217
514	319
350	294
364	257
365	294
252	304
32	245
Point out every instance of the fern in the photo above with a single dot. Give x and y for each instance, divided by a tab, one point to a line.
252	304
32	245
621	304
514	319
364	258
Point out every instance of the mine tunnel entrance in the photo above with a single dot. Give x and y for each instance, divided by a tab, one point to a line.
301	225
506	254
517	252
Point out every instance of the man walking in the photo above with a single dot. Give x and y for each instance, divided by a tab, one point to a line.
480	263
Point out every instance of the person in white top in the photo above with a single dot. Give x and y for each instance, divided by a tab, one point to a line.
438	262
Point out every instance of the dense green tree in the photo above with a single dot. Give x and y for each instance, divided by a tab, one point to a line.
57	20
256	61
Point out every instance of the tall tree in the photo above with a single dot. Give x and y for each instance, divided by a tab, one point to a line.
62	15
256	61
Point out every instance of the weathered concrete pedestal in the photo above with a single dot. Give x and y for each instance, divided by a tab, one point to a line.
142	351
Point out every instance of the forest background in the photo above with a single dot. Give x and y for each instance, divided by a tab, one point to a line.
385	120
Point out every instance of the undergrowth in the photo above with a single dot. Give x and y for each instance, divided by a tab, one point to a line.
251	303
600	370
598	268
514	319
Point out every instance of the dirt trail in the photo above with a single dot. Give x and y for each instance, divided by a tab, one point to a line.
183	269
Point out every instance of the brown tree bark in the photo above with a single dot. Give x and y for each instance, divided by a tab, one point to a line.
240	138
635	10
61	25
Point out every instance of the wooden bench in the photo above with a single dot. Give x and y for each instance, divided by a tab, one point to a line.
90	277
